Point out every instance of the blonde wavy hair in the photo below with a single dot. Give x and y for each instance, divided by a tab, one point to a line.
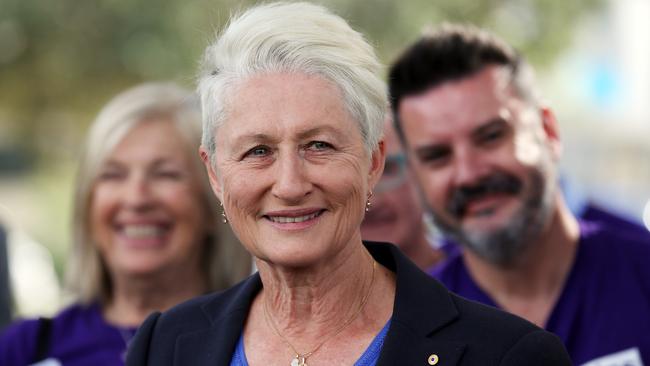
225	262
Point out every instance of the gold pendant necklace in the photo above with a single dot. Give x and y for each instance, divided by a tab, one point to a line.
300	359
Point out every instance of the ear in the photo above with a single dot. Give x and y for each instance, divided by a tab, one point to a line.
552	131
212	174
376	164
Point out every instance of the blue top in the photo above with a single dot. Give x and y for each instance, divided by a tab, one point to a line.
368	358
603	312
79	336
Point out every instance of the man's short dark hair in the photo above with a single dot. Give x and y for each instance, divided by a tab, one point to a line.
450	53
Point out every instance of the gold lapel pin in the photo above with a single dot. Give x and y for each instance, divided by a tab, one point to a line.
433	359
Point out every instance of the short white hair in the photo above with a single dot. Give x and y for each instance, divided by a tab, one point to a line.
293	38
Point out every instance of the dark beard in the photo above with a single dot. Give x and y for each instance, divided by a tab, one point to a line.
502	247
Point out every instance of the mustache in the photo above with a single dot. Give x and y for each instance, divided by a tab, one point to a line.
462	196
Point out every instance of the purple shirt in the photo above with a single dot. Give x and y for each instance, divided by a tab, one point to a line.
603	311
79	336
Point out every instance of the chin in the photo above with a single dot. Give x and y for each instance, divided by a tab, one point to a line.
143	268
298	256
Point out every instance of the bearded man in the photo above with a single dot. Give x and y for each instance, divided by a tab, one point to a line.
485	152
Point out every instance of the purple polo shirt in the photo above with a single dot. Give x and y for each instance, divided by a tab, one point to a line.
603	312
79	336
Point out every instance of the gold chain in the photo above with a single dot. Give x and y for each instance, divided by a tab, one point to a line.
301	358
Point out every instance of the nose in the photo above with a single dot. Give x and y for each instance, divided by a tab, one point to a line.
138	194
291	183
468	167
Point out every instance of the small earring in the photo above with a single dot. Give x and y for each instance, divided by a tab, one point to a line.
223	214
368	203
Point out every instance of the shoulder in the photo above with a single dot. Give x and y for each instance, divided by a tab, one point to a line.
603	242
449	268
597	214
482	320
18	342
427	317
503	338
204	310
595	231
26	329
157	335
196	323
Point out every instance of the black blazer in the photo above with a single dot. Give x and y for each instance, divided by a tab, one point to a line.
427	320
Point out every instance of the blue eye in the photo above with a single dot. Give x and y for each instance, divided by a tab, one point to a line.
258	151
319	145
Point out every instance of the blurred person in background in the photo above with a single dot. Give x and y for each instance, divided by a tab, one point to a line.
485	152
29	285
293	117
146	233
397	213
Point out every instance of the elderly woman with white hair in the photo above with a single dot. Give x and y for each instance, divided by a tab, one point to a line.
146	232
293	111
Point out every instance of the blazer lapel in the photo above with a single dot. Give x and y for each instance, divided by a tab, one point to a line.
409	348
215	345
422	308
411	339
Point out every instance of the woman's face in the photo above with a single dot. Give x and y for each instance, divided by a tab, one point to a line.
146	210
292	170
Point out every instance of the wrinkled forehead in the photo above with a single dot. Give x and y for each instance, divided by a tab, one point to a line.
282	105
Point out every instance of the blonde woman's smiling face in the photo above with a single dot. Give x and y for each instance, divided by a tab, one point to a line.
292	170
146	212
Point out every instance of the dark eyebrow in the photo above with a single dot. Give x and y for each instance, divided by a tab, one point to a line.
492	123
423	151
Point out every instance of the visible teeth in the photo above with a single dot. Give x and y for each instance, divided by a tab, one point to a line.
285	219
142	231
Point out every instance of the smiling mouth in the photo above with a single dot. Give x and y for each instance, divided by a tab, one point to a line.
483	212
293	219
143	231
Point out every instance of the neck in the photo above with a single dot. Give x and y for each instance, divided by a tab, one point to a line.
135	297
421	252
531	286
310	306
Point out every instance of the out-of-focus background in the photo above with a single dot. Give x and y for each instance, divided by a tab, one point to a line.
61	60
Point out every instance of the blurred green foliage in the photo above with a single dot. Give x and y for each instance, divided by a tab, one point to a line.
62	59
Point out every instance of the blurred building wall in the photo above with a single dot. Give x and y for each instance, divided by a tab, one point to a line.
600	89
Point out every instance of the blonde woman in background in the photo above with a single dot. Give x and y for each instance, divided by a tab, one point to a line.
146	232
